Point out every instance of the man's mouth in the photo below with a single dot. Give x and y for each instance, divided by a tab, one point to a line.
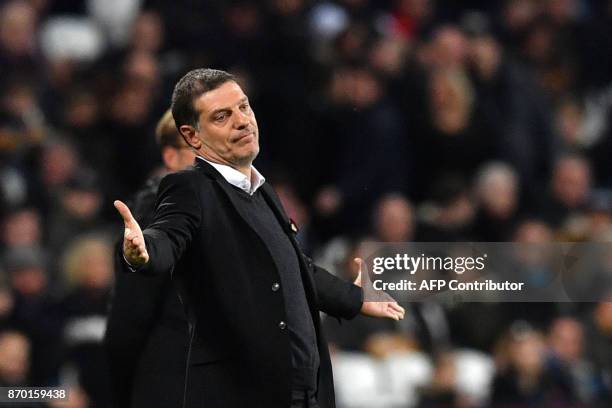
239	138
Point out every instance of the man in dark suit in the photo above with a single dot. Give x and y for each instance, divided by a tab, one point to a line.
147	335
221	230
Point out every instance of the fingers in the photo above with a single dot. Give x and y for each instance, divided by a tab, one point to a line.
357	280
136	243
393	314
135	250
124	211
398	310
390	310
389	313
396	316
394	311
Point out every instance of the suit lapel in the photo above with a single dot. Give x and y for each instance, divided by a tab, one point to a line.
227	188
277	208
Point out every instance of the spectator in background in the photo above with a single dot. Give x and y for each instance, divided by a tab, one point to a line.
595	65
410	18
591	224
598	345
81	115
446	49
533	265
131	106
517	16
599	214
552	45
6	302
21	228
567	356
88	268
147	33
147	336
497	198
478	325
14	359
525	380
448	215
22	124
448	138
57	163
77	210
569	124
569	190
13	187
18	23
371	146
514	109
442	390
393	220
453	141
35	313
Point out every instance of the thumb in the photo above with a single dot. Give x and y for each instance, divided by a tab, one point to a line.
359	262
125	212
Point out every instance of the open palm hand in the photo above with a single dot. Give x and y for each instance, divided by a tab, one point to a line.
383	304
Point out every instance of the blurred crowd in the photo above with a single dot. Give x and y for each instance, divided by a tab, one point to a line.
384	120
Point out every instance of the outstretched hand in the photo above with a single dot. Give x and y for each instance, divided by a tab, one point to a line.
134	248
384	306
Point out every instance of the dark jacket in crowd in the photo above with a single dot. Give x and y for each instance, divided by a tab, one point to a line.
147	336
84	311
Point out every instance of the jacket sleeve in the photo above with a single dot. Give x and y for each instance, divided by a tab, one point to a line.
337	297
176	220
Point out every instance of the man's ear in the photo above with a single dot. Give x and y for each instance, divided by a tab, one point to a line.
191	136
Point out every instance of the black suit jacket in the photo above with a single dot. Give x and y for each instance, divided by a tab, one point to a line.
240	356
147	335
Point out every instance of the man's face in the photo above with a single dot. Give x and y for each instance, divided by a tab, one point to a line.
227	127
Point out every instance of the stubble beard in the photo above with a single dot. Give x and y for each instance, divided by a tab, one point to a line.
247	160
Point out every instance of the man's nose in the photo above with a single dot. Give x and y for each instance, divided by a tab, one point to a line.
242	120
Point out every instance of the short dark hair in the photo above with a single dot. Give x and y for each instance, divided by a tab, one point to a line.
190	87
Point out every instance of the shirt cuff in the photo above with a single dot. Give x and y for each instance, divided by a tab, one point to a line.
131	267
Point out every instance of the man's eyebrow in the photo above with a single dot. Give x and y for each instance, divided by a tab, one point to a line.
226	109
219	110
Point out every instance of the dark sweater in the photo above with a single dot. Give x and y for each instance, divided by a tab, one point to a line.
302	336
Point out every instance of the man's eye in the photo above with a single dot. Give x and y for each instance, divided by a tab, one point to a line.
220	117
245	107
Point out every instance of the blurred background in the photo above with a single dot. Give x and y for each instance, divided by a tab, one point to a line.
387	120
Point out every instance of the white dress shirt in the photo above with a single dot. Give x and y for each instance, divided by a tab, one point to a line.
238	179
